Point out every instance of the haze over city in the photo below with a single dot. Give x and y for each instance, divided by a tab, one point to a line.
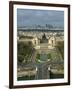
33	17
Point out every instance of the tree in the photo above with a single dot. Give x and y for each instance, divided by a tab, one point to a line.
49	56
25	51
60	47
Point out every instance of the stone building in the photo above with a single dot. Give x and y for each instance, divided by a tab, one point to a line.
45	41
52	41
26	39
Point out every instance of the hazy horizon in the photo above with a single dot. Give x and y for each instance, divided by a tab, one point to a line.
32	17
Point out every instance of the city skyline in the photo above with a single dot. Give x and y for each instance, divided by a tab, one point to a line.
32	17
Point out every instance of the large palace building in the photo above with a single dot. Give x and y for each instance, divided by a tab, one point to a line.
44	40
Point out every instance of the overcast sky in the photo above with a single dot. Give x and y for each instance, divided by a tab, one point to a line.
28	17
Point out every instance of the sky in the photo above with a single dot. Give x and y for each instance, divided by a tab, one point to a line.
30	17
